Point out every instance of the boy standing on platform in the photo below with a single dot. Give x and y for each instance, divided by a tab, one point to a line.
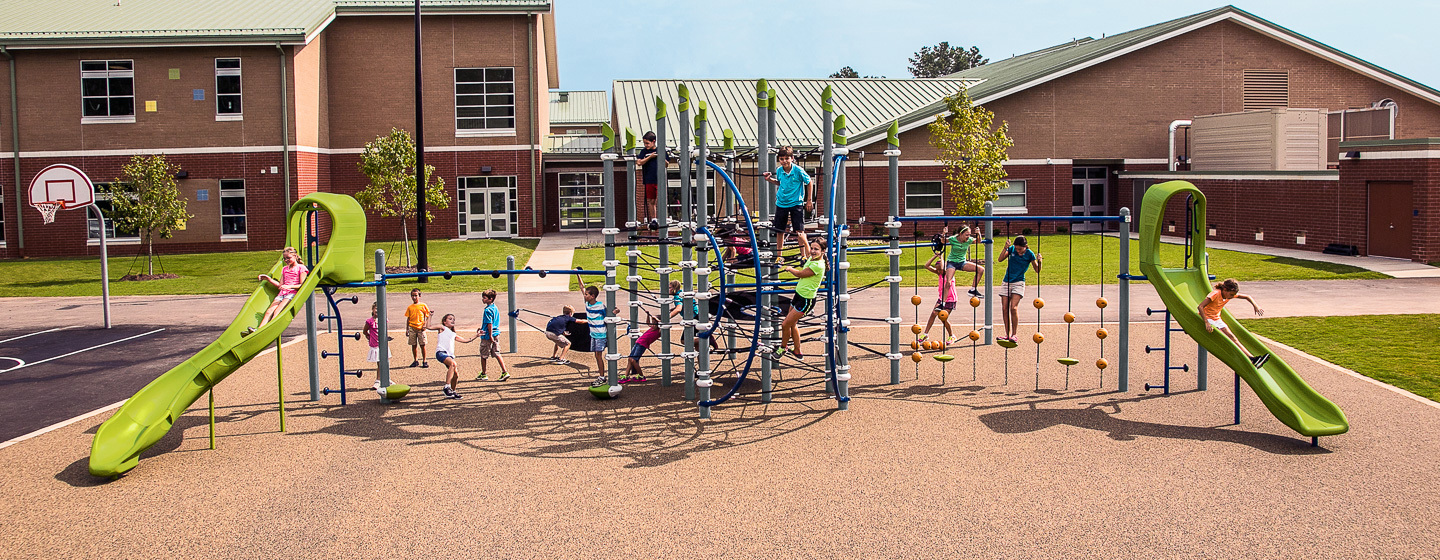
792	198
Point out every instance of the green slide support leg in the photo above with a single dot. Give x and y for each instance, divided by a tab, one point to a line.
148	416
1284	393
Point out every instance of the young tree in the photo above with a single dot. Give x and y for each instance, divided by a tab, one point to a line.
943	60
146	199
389	162
971	153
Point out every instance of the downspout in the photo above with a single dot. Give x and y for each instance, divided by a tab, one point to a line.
15	147
1175	125
534	118
284	125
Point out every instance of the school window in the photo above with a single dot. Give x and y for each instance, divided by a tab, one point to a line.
102	202
1011	198
107	91
484	101
227	90
924	198
232	208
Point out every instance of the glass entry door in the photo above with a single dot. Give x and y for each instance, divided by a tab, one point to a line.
582	201
486	207
1088	197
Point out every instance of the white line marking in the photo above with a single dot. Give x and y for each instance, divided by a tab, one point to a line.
79	351
19	363
35	333
53	427
58	425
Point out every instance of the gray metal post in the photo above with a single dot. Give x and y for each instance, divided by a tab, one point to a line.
510	301
702	192
892	155
607	176
687	251
381	316
730	205
1202	376
104	262
663	218
312	353
827	131
767	332
827	151
989	274
632	220
1123	368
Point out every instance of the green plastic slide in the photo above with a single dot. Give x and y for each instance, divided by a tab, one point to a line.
148	416
1284	393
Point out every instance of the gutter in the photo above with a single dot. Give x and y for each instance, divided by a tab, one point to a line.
1175	125
284	126
15	149
534	121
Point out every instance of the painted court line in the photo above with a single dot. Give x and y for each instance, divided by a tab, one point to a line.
58	425
79	351
35	333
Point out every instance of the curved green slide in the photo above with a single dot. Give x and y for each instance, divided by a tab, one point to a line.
148	416
1284	393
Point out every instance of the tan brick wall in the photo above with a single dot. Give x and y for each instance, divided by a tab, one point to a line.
50	105
370	69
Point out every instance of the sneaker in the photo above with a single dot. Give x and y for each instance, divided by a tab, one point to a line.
1260	360
414	364
455	395
976	293
561	362
952	339
504	375
247	332
923	336
482	377
779	352
799	356
448	391
638	379
425	364
600	381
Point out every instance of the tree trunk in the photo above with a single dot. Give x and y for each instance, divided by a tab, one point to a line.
149	254
405	239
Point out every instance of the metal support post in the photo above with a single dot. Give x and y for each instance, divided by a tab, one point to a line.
989	275
1123	370
381	320
663	231
687	251
892	155
701	313
607	158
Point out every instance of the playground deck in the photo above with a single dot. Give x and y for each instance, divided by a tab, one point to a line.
535	467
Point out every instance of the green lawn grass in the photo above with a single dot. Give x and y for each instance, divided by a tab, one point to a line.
866	268
234	273
1395	349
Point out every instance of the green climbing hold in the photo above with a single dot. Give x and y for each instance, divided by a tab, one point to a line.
1068	361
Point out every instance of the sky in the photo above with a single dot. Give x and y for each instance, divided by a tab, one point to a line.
601	40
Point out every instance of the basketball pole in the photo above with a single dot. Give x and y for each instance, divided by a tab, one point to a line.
104	266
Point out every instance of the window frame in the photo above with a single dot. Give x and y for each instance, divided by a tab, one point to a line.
462	132
1024	197
221	194
236	71
111	235
925	211
108	74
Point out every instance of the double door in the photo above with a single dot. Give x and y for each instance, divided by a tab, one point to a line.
1088	195
486	207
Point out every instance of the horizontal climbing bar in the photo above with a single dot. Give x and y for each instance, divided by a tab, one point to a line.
1010	218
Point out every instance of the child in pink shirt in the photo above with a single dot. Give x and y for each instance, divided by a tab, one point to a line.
291	277
651	334
944	300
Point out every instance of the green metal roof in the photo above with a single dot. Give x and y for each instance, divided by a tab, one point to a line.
865	103
579	107
65	23
1011	75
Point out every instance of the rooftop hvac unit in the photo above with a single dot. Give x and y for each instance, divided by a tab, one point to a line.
1265	140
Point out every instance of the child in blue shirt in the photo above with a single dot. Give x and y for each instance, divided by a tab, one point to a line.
792	198
489	333
1012	289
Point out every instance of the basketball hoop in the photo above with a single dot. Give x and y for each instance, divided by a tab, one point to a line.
48	209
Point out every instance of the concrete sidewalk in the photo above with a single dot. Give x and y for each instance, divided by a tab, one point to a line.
1398	268
556	251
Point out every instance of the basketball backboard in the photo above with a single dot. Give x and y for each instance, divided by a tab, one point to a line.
64	185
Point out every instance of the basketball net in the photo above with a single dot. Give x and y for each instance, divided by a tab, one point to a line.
48	209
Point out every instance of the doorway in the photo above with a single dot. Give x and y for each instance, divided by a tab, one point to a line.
487	207
1088	195
1391	209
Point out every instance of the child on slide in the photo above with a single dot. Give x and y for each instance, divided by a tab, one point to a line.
1210	311
291	277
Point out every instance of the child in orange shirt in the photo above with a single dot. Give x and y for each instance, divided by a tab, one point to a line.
417	319
1210	311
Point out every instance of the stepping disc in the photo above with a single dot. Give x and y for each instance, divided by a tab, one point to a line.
1068	361
1007	343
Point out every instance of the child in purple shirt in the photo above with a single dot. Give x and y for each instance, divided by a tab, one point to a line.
651	334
